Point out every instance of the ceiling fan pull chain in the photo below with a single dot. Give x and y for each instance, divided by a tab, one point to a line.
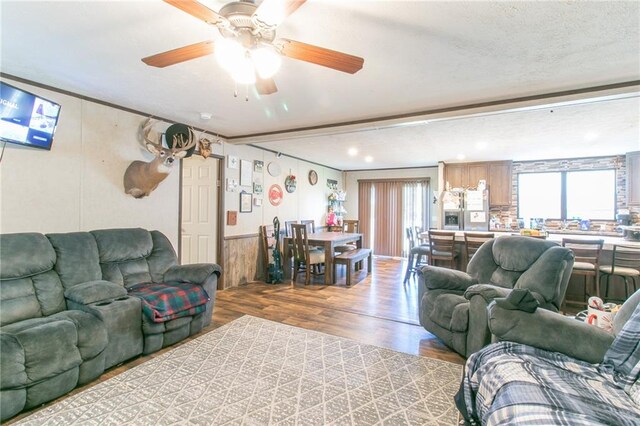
246	96
235	89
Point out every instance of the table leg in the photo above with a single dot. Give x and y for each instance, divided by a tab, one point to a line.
328	263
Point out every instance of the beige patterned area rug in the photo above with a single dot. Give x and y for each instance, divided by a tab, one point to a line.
257	372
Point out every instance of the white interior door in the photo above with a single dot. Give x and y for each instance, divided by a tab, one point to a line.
199	210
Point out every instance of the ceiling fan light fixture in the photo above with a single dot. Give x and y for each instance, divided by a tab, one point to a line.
244	71
266	61
229	53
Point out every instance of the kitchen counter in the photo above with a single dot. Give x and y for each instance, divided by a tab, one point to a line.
609	241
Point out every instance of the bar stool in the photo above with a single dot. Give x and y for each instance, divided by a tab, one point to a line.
587	263
624	264
416	252
442	246
473	241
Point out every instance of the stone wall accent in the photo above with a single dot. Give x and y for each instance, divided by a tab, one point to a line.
618	162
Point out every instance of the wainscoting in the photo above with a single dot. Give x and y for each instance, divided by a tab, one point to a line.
242	260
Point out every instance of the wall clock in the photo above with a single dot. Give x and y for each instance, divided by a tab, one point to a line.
274	169
275	194
313	177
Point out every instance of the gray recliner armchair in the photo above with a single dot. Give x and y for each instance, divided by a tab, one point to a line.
453	304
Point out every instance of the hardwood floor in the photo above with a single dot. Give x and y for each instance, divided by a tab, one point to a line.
378	310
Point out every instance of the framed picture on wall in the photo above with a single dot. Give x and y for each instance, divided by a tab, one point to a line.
246	199
246	173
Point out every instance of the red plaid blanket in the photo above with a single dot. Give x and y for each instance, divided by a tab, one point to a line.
163	302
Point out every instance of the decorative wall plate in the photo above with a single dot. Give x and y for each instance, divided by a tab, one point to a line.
274	169
313	177
290	183
275	194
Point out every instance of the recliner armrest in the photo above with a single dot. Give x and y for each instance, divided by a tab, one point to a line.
448	279
487	291
94	291
196	273
550	331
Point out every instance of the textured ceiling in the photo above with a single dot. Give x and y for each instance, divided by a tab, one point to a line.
419	55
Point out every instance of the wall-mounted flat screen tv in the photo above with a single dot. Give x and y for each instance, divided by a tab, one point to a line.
27	119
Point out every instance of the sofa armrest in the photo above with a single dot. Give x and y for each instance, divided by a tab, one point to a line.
550	331
94	291
447	279
195	274
490	292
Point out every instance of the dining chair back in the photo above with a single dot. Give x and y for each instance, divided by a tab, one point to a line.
302	254
442	247
267	243
625	264
311	225
473	241
349	226
287	227
411	237
587	264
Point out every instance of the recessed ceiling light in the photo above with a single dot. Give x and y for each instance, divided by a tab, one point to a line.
460	157
368	159
352	152
590	136
481	145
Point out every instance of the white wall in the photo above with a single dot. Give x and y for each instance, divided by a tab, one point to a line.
77	186
306	202
351	179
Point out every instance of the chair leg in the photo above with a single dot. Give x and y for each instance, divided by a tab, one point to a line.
307	280
409	268
349	266
370	263
596	279
606	287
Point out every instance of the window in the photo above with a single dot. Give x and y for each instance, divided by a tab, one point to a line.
589	194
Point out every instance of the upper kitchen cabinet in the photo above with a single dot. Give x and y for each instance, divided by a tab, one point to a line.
633	178
499	183
497	174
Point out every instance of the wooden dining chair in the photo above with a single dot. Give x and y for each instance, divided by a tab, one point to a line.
287	227
311	225
350	226
473	241
267	243
587	263
442	247
303	255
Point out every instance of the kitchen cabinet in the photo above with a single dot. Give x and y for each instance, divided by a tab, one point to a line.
497	174
633	178
499	183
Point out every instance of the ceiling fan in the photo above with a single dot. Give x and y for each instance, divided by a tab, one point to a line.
249	49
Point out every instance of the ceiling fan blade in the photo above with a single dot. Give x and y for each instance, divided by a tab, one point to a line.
321	56
273	12
180	54
197	10
265	86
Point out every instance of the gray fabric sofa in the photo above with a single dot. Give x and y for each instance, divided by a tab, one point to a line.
551	369
453	304
65	315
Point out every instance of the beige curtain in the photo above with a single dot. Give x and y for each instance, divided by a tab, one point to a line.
364	212
387	213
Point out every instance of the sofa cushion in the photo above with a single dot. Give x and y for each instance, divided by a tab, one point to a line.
450	311
162	257
94	291
30	297
77	257
24	255
121	245
49	346
92	333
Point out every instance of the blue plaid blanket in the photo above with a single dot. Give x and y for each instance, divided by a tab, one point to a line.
510	383
163	302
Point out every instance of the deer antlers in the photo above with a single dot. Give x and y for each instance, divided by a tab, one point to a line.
178	143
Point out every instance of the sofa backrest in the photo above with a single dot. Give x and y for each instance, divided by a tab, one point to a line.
132	256
524	262
29	285
77	257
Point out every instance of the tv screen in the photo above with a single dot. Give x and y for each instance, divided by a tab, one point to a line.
25	118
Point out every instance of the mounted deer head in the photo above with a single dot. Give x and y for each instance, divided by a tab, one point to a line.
140	178
204	146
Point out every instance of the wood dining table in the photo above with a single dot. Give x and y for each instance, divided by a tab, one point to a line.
328	240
